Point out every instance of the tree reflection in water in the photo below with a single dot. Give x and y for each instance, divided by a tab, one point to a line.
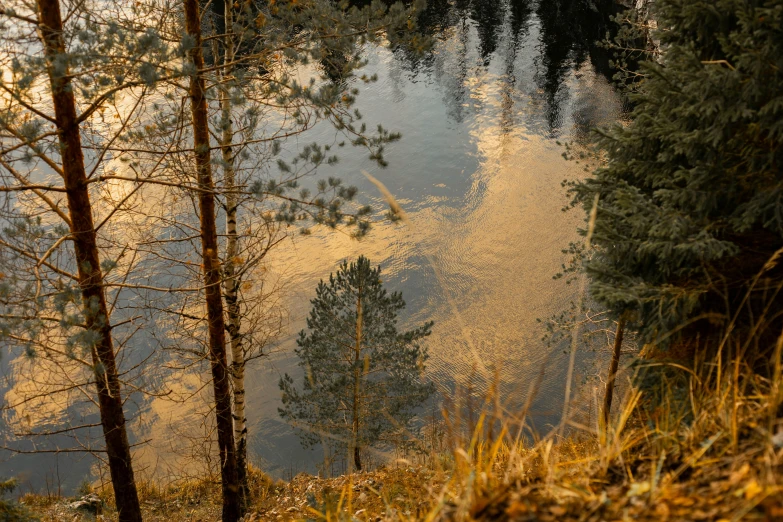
566	33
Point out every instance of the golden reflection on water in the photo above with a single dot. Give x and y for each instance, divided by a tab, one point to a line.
497	259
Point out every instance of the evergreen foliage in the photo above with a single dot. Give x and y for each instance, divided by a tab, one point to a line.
11	511
362	377
690	197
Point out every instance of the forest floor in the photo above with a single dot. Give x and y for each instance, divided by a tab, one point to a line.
658	491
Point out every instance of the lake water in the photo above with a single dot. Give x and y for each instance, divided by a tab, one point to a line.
479	172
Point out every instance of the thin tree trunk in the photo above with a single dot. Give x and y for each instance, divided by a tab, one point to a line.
232	505
96	314
232	248
357	461
610	380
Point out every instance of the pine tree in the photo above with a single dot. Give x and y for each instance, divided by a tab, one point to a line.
11	511
62	67
234	503
362	377
689	198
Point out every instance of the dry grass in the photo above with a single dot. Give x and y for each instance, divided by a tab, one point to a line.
717	457
189	500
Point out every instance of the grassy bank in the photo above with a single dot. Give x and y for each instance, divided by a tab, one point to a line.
718	456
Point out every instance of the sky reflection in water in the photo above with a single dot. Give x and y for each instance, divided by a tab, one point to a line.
478	171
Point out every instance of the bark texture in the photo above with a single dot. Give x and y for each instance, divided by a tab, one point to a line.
232	252
96	313
232	501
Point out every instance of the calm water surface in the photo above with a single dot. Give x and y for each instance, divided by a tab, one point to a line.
479	172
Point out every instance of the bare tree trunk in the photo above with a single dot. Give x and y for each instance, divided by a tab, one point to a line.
357	460
83	231
610	380
356	382
232	251
232	505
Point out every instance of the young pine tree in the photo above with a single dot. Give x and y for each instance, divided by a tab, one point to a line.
362	377
10	510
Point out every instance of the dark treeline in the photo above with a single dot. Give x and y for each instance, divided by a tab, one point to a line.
572	33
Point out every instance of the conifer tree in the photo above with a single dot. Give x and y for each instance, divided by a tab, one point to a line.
232	493
11	511
62	66
689	198
362	377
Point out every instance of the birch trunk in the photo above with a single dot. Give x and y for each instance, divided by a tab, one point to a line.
232	499
232	251
96	314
